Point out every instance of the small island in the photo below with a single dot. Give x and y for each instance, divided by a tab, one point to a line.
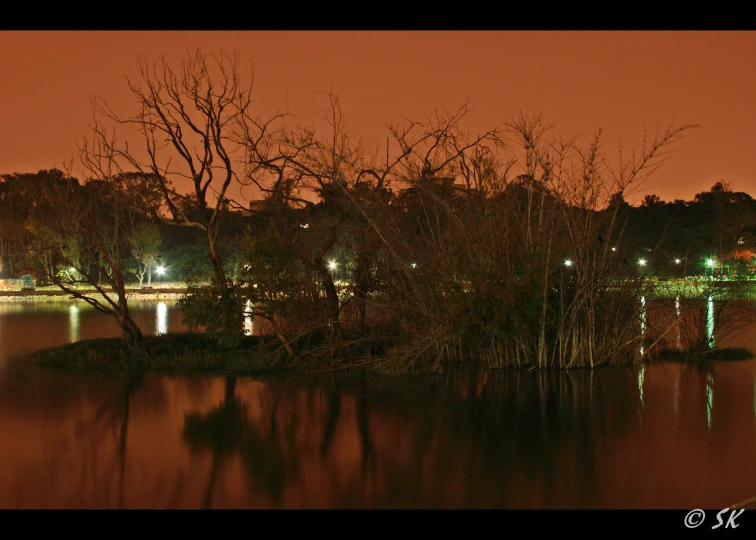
506	249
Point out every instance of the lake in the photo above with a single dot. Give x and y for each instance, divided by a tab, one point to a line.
661	436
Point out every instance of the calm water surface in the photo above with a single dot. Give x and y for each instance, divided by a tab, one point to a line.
663	436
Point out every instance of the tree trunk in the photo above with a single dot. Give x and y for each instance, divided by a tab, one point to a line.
149	275
285	343
332	298
362	288
132	335
215	261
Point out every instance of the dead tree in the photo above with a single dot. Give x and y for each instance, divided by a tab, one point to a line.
186	118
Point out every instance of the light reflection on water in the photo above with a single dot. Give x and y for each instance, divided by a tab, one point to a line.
162	319
26	326
73	323
643	322
248	328
678	342
606	438
470	440
710	322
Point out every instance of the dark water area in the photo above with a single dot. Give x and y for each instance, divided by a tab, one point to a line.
660	436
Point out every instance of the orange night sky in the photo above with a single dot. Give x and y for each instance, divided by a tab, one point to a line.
579	80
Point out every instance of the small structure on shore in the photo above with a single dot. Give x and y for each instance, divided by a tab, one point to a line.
24	283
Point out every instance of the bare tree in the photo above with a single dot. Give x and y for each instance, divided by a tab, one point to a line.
186	118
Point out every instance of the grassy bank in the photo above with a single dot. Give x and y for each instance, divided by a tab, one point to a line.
705	357
170	352
198	352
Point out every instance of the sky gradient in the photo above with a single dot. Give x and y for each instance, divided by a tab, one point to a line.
578	80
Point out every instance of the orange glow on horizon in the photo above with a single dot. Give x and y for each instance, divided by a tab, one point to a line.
578	80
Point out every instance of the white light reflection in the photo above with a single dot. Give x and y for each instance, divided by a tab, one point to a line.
248	319
677	312
641	381
643	322
709	397
73	323
162	319
710	322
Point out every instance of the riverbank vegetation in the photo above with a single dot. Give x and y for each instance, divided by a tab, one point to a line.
511	248
169	352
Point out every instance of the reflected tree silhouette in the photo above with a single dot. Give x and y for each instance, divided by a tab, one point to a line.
466	439
227	431
85	452
363	422
334	412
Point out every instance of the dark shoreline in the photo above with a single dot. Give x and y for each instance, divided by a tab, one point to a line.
196	352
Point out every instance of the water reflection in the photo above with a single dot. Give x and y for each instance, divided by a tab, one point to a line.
643	321
679	328
28	326
641	381
73	323
472	440
162	319
248	319
710	322
709	397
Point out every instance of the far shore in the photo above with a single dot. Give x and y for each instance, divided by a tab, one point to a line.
666	288
42	295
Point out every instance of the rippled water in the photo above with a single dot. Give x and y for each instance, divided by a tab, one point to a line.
663	436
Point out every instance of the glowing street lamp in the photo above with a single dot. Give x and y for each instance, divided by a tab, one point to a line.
642	262
72	269
710	263
568	262
413	265
677	261
332	265
160	270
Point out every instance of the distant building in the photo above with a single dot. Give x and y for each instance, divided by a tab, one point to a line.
20	284
255	206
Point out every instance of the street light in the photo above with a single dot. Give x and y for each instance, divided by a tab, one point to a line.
710	263
568	262
614	249
642	262
160	270
413	265
677	261
72	269
332	265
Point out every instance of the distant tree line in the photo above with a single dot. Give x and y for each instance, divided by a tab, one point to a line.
152	242
512	247
712	234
